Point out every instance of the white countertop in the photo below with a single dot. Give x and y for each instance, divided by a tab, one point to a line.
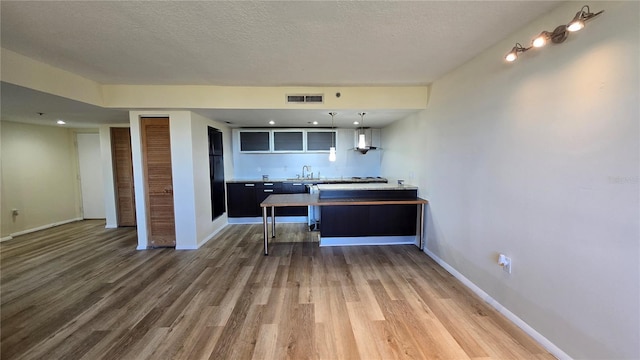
337	187
311	181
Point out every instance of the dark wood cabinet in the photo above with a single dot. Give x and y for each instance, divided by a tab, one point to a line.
263	190
293	188
369	220
393	220
242	200
346	220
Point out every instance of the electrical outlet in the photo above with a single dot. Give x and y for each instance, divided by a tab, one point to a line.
505	262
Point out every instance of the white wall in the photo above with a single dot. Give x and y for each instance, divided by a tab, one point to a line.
205	227
91	177
540	159
251	166
39	177
190	171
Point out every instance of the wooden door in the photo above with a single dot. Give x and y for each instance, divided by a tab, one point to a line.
123	174
156	148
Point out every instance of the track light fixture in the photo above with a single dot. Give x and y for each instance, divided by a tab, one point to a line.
558	35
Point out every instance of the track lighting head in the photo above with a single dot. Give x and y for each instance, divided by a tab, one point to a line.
581	16
513	54
541	40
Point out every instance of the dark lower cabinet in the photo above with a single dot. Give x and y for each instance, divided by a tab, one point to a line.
241	200
292	188
393	220
347	220
368	220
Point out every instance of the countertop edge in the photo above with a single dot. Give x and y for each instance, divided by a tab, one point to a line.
364	187
313	181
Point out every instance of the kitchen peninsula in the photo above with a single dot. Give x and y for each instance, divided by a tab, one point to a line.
358	214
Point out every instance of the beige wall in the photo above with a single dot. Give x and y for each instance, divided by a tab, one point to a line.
21	70
540	159
39	177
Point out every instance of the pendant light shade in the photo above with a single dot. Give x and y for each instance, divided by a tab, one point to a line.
362	140
332	153
332	149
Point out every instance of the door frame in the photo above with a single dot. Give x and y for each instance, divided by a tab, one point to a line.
143	153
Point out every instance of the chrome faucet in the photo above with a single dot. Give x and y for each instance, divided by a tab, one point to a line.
305	167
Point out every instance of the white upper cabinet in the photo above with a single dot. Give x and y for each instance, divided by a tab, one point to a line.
285	140
320	140
255	140
288	140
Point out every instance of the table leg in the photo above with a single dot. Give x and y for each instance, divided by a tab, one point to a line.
273	222
265	229
422	207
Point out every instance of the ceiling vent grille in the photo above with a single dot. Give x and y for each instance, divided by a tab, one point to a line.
305	99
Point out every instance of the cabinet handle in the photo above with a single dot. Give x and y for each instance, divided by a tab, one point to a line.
250	185
268	190
297	184
268	184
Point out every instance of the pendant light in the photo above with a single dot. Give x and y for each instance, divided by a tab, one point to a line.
332	149
362	143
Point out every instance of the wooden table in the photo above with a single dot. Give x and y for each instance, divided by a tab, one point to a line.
284	200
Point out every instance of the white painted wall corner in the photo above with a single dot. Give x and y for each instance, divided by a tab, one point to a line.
551	347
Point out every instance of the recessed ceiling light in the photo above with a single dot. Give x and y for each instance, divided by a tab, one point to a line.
315	123
356	123
271	122
60	122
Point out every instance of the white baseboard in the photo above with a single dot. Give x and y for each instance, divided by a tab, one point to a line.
47	226
551	347
214	233
111	226
6	238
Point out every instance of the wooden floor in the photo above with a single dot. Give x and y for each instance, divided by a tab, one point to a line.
80	291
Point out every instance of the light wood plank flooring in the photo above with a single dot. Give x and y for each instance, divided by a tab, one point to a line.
80	291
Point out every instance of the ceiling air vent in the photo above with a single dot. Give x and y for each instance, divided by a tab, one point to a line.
305	99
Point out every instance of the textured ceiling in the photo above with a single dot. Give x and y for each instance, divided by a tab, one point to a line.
260	43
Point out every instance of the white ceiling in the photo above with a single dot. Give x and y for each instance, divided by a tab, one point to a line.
260	43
